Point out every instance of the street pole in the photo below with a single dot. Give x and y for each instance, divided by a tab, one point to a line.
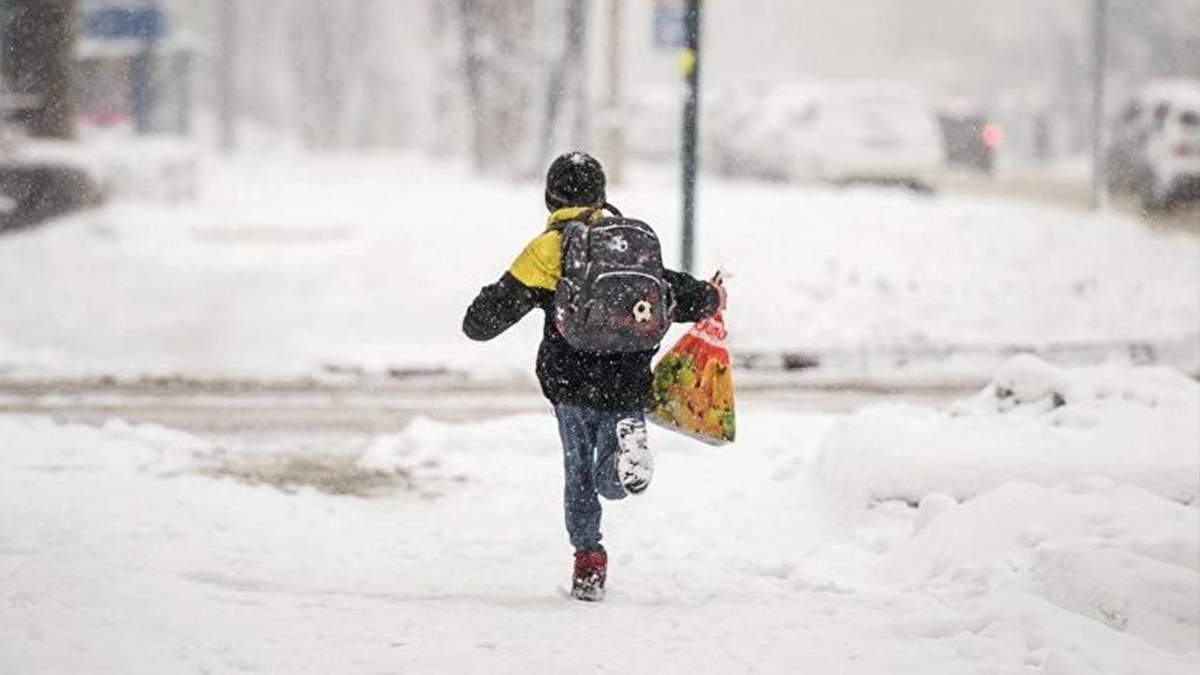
1099	43
615	124
690	61
226	86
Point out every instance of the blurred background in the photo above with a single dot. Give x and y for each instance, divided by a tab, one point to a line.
1003	90
284	188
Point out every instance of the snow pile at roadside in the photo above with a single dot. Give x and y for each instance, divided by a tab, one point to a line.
141	167
41	444
1035	423
1125	558
429	447
1085	578
1055	515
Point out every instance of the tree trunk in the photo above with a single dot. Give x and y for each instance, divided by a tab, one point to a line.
566	80
39	60
577	32
226	60
497	71
470	17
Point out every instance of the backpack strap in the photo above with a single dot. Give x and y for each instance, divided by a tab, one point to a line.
586	215
582	216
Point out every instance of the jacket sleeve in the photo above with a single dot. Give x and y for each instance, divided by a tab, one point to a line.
694	299
497	308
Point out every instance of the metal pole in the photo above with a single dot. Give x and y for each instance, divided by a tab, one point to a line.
1099	43
226	87
691	69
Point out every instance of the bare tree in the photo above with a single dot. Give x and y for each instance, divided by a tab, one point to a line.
445	93
328	74
317	71
567	83
226	71
470	17
497	70
39	41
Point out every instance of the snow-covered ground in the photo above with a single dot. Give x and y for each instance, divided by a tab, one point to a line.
287	264
1035	422
133	549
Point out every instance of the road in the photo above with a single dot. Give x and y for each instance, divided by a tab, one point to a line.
1064	192
224	407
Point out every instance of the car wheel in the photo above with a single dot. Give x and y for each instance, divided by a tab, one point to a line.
1153	198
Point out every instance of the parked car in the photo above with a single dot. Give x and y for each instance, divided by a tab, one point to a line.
847	133
34	190
969	139
1171	150
1127	166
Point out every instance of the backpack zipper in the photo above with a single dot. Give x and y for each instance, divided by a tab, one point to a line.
651	277
622	226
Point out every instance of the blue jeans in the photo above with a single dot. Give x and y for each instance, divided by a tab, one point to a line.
589	439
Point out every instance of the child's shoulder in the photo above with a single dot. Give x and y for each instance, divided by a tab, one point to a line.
547	246
538	264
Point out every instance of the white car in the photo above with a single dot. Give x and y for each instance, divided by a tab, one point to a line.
1171	150
848	133
1127	165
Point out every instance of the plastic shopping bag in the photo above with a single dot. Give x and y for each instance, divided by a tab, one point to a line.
693	385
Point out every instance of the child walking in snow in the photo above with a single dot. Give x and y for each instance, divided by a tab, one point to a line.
599	397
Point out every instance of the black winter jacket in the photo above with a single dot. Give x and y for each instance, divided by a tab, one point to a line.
568	375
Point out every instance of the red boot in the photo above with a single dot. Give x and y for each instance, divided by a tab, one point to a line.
591	566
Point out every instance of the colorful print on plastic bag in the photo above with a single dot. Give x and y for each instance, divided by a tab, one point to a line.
693	385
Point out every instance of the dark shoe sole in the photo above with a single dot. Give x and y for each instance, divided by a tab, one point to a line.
588	594
588	590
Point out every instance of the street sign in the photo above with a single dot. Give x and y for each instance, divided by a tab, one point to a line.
669	33
113	23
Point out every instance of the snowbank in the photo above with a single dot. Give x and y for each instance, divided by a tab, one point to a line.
1085	578
1056	515
429	447
157	168
1034	422
1119	555
118	447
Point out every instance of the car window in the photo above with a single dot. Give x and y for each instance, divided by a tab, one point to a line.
1189	118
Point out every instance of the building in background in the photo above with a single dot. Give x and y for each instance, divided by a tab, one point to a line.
134	67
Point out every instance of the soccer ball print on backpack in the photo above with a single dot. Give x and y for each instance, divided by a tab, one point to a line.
612	296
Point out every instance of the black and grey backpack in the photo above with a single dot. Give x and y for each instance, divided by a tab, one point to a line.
612	296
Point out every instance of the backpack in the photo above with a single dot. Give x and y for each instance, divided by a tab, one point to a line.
612	296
